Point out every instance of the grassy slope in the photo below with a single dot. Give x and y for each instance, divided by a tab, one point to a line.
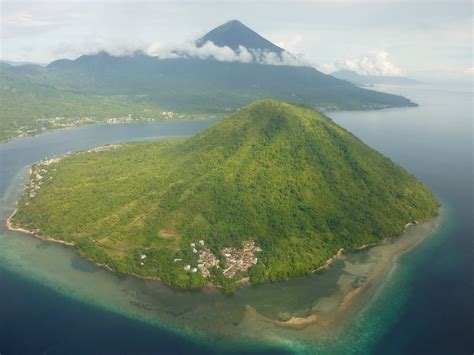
283	175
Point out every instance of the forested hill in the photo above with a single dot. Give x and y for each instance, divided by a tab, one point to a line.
282	176
32	102
206	85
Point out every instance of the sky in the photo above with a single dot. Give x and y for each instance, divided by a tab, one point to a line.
416	38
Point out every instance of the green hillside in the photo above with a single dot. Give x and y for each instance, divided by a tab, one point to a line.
198	85
31	102
280	175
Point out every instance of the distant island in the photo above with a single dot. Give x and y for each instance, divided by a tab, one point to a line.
271	192
102	88
371	80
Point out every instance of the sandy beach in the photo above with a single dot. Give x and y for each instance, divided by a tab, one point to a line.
23	230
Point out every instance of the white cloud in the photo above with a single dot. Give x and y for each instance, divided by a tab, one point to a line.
376	63
92	45
291	43
285	58
24	22
469	71
327	68
208	51
224	54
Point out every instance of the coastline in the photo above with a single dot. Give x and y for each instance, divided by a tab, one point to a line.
214	116
298	322
329	261
9	226
352	299
240	283
6	140
363	247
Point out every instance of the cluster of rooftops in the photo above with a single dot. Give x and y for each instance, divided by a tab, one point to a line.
236	259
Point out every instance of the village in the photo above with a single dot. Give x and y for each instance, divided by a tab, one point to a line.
37	175
46	123
63	122
240	259
236	259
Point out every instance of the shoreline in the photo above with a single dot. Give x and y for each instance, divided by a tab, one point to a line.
217	117
242	283
351	299
10	227
106	124
363	247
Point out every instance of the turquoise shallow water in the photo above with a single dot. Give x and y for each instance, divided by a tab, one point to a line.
53	301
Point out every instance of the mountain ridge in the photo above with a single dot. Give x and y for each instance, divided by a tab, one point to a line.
122	75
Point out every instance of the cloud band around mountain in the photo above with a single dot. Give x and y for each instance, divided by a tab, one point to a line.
225	54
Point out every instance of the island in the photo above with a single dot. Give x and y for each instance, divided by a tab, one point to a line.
271	192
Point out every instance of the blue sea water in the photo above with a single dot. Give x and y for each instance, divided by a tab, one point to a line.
435	142
424	306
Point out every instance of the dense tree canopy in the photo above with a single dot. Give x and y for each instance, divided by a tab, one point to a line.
282	175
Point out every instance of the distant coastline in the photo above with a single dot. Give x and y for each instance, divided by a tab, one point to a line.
57	129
